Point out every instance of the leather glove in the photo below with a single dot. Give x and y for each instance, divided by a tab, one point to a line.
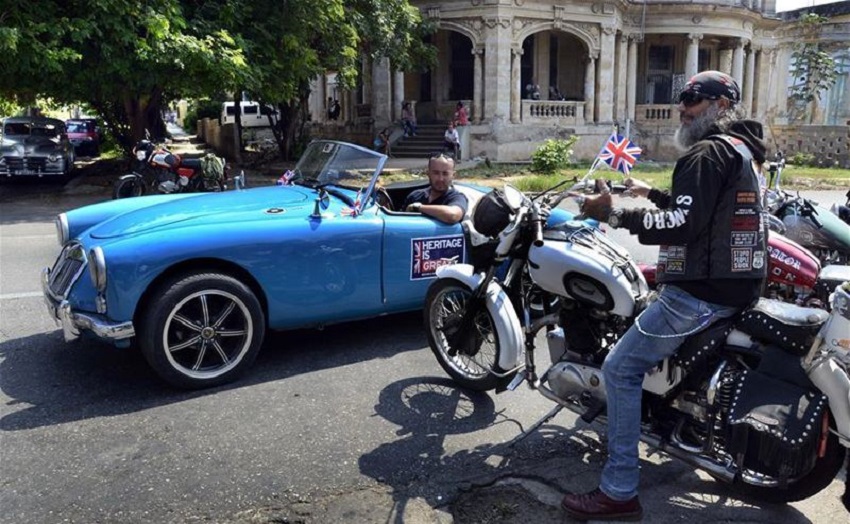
415	207
544	211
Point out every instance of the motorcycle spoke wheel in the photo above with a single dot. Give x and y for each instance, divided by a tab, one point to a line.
472	365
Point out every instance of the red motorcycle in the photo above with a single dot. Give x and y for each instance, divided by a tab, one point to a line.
155	170
795	274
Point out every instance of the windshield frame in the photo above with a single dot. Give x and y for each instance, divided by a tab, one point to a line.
322	162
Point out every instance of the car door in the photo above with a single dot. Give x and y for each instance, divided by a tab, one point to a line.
414	247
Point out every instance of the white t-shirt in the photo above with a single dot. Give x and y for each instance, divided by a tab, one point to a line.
451	136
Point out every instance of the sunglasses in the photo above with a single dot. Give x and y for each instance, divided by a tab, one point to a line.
690	99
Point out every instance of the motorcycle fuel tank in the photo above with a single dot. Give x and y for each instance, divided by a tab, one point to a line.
590	269
790	263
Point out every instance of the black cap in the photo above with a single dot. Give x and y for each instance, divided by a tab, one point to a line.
711	85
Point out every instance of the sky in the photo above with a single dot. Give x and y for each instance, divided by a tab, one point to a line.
790	5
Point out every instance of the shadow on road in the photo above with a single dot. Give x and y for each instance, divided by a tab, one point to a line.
60	382
482	484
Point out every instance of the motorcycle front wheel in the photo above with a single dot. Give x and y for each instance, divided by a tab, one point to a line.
473	365
128	186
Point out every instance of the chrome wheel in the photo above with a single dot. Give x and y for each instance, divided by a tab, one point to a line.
207	334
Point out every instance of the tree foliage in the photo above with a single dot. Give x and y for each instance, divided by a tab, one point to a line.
127	58
812	66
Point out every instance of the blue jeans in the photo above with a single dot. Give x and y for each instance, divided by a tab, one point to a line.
656	335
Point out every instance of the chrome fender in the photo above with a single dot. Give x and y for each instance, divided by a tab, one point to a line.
508	327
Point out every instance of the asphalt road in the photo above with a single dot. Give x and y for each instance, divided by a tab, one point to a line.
356	423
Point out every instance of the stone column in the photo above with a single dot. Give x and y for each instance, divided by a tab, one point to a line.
590	89
516	88
631	90
605	80
738	63
477	86
497	61
692	56
779	81
398	95
724	58
621	71
749	80
762	97
381	92
541	63
366	71
318	102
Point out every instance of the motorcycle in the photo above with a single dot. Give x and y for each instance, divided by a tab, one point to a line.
723	403
794	274
155	169
802	220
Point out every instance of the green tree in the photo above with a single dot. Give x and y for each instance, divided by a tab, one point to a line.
812	68
288	44
125	59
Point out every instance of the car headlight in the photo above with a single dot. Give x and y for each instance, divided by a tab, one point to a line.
62	229
53	157
97	268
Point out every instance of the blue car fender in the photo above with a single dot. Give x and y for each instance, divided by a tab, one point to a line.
508	328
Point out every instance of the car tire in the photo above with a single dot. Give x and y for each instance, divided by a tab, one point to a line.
202	330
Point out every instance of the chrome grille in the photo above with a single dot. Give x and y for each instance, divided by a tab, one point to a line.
66	270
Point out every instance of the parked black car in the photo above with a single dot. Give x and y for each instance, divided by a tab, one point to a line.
35	146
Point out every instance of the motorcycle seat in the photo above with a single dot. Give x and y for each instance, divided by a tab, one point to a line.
790	327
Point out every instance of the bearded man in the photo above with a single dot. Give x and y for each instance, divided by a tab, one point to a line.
712	263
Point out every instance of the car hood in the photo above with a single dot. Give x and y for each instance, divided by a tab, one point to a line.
210	209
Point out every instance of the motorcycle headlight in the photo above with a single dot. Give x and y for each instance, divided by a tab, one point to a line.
141	155
62	229
97	268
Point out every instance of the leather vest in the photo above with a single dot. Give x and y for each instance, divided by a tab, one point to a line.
735	243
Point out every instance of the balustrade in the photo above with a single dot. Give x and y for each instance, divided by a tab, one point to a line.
565	112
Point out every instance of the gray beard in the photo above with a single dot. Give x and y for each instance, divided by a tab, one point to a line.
688	135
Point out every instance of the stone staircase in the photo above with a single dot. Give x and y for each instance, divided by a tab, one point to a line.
428	140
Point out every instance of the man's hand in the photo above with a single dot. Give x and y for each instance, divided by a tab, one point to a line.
415	207
637	187
598	207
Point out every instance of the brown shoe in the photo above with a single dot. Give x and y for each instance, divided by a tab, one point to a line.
596	505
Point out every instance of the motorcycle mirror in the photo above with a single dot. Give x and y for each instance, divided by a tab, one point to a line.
239	181
513	196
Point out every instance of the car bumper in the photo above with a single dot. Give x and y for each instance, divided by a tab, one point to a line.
73	323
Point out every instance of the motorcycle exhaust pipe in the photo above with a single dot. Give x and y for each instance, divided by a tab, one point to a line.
713	468
716	470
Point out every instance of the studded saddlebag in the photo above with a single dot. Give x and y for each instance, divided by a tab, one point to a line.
775	427
792	328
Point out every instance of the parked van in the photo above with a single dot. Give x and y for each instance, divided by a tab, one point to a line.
253	115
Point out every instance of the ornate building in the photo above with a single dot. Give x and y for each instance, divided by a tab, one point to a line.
595	64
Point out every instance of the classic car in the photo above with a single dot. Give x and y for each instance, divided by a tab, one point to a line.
196	279
34	146
84	135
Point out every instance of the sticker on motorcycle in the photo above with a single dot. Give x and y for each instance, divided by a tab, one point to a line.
428	254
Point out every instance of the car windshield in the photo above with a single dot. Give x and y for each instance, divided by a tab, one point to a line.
335	163
80	127
31	129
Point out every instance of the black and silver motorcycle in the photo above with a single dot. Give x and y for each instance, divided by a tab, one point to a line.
760	401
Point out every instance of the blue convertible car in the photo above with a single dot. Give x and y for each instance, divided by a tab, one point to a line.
196	279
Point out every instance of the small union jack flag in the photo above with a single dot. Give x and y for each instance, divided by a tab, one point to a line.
620	153
354	210
286	178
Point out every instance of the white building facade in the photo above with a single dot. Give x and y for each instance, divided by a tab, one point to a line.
597	65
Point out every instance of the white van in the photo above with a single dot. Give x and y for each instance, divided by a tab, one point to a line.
252	114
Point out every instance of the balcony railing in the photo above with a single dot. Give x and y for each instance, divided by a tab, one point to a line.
568	113
656	113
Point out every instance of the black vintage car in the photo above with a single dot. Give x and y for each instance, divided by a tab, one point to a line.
34	146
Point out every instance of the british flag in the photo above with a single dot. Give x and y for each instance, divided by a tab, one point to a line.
286	178
620	153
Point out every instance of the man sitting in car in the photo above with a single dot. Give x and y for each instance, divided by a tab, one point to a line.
439	200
